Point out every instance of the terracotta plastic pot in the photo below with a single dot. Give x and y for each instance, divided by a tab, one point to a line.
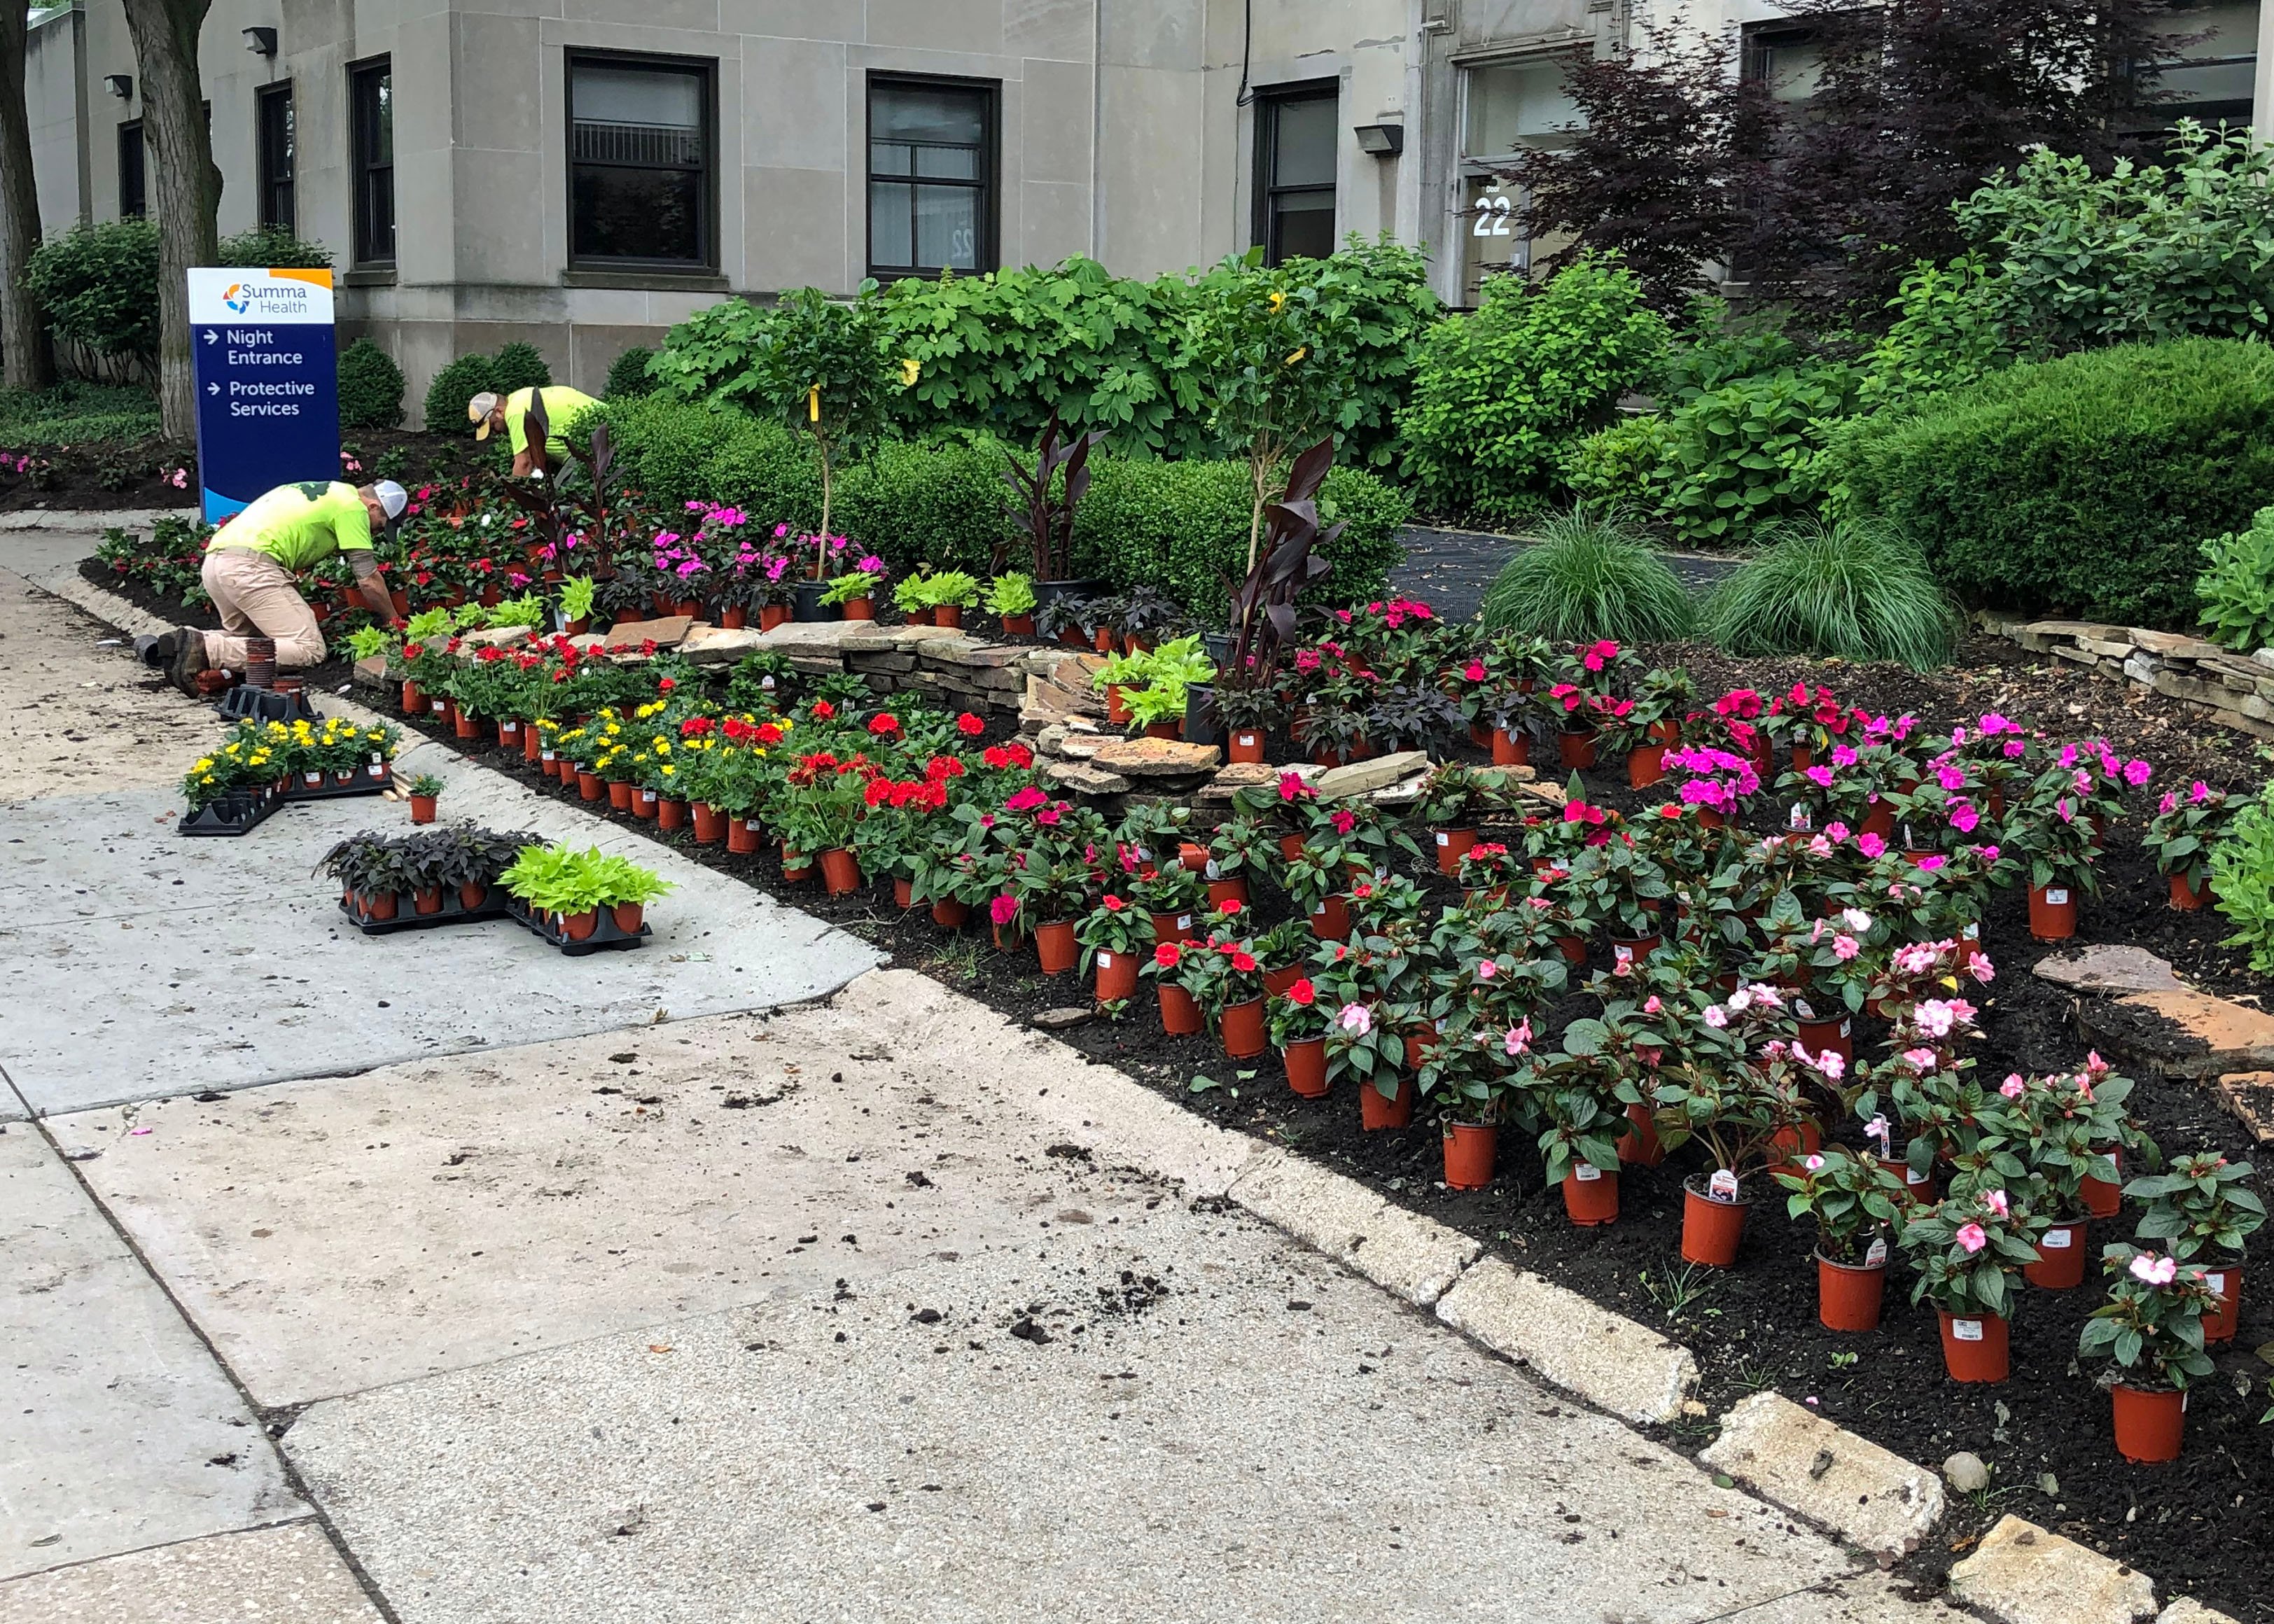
645	804
734	618
1377	1110
1117	976
742	836
1711	1228
1847	1295
949	914
771	615
1975	1347
2060	1258
1233	890
1245	745
1591	1195
580	927
465	726
471	896
1018	624
1646	765
1804	1138
1276	982
1574	749
1242	1028
2226	1279
422	808
620	795
533	743
509	735
1180	1017
1305	1061
1418	1045
943	614
382	907
1164	730
1116	711
1510	750
2187	899
2104	1198
797	866
904	892
670	814
1816	1036
1452	846
1290	846
1171	927
1573	947
1469	1149
1054	943
1639	1144
589	786
841	872
1880	820
1631	949
548	765
629	916
1917	1185
1330	920
1193	855
710	823
2149	1425
428	901
2053	912
414	698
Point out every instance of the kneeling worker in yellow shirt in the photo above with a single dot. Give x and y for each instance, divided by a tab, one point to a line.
509	414
248	571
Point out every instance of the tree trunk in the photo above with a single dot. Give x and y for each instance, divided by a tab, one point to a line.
30	362
185	187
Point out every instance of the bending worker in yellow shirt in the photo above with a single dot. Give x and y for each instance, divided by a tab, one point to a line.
509	414
249	567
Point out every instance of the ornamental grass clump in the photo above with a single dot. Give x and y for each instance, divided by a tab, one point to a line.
1857	589
1584	578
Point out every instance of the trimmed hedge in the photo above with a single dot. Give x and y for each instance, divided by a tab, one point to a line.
445	408
2083	486
371	387
1182	528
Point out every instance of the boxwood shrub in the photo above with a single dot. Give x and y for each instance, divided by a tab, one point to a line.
2083	486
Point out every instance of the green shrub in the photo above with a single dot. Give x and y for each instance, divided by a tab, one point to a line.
71	414
99	286
454	385
936	502
520	366
371	387
1612	467
2081	486
628	375
1857	591
1582	577
2236	590
2242	879
1181	528
1497	393
1746	452
1950	329
275	247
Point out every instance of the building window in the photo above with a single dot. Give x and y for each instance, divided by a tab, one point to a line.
1788	60
639	162
272	129
371	111
931	177
133	201
1513	109
1297	137
2210	79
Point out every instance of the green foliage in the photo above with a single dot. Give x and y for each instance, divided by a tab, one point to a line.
2236	588
1613	466
936	502
1858	591
371	387
275	247
627	374
1584	577
1745	453
99	286
1950	327
519	366
2080	486
2242	878
71	414
1181	528
1497	393
445	411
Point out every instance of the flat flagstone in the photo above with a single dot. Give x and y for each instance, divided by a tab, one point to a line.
2207	1036
2106	968
286	1574
2019	1573
118	1431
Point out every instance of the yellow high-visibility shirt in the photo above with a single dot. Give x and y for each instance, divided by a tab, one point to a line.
301	524
562	406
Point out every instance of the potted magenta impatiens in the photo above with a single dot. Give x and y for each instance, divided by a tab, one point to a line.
2151	1331
2201	1208
2180	838
1301	1022
1115	935
1967	1248
1856	1203
2051	834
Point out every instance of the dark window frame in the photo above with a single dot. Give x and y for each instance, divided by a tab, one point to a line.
363	167
1269	102
135	203
278	173
987	249
704	71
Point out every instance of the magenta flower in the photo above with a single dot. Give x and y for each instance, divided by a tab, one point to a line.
1002	909
2137	772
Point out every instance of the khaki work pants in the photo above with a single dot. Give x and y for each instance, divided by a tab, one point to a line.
253	593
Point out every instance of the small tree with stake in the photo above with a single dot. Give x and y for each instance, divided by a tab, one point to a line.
821	362
1044	515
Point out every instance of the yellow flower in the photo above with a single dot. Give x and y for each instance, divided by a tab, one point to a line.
1278	303
1298	354
909	370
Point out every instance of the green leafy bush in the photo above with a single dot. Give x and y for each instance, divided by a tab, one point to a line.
1741	454
1181	528
1857	589
275	247
2236	590
627	374
1612	467
1583	577
1950	327
445	411
371	387
1497	393
99	286
2242	880
520	366
2080	486
71	414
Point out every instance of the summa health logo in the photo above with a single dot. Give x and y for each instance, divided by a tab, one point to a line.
237	298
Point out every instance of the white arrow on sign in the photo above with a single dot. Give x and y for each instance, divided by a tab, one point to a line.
212	388
211	337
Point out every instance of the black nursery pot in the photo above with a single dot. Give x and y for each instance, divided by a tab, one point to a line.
1202	725
1219	645
809	606
1048	592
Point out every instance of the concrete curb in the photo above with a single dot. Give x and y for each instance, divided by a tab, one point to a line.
2187	1610
2022	1574
1417	1258
1614	1363
1792	1457
112	610
90	518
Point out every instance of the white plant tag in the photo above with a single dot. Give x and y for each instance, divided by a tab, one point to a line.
1875	1255
1847	1026
545	755
1798	817
1722	1187
1879	1129
1444	838
2058	1239
767	683
1913	1177
2216	1282
1212	871
1966	1330
1184	921
1104	959
1586	1172
1622	953
751	824
2057	896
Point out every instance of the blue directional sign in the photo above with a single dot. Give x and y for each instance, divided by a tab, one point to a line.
268	382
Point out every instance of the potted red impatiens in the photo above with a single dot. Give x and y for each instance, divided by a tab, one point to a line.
1855	1202
2150	1332
1299	1024
1967	1249
2200	1208
1228	982
1114	936
1174	975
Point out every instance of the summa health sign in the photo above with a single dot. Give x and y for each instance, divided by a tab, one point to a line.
268	382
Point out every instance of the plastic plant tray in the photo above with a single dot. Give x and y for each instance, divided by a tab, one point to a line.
260	705
606	936
242	811
407	916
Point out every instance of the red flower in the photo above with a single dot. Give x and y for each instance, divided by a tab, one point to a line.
884	725
413	650
647	648
1111	903
664	685
969	725
1026	801
1344	822
1230	906
1300	991
824	710
1242	961
1002	909
1168	955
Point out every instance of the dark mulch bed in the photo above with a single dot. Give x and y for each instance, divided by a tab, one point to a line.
102	476
2197	1527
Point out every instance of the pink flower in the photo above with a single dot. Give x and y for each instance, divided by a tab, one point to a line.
1965	817
1715	1016
1972	1239
1922	1059
1845	947
1517	1039
2137	772
1002	909
1344	822
2154	1271
1473	671
1487	969
1826	1060
1870	843
1650	1005
1356	1018
1026	801
1950	778
2198	793
1821	776
1856	919
1996	1201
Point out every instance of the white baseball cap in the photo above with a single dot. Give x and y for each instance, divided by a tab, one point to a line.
393	499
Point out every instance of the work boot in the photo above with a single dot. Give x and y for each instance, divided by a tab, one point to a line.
189	659
156	652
